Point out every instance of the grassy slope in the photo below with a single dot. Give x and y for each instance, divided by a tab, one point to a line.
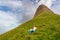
48	28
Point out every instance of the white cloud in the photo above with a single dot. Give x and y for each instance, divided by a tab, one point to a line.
7	22
10	19
48	3
13	4
56	9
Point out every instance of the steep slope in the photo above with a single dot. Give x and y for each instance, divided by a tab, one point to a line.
48	28
42	8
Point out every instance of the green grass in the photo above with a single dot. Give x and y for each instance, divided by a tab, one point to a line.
48	28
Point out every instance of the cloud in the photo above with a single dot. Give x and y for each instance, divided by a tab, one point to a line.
16	13
12	3
48	3
6	21
56	7
10	14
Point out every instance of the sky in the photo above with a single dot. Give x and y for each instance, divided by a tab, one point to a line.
16	12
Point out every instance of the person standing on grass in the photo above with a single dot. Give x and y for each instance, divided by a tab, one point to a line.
32	30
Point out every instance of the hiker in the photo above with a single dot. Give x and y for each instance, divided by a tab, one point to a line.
33	30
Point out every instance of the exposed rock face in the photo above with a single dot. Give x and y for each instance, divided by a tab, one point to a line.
42	8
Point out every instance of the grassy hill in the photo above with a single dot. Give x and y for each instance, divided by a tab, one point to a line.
48	27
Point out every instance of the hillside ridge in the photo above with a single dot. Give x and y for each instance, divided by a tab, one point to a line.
42	8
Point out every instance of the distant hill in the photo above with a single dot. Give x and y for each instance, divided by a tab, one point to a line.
48	27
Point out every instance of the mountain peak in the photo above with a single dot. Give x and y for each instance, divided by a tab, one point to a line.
42	8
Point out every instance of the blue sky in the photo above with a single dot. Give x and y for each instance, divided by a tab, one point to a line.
15	12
